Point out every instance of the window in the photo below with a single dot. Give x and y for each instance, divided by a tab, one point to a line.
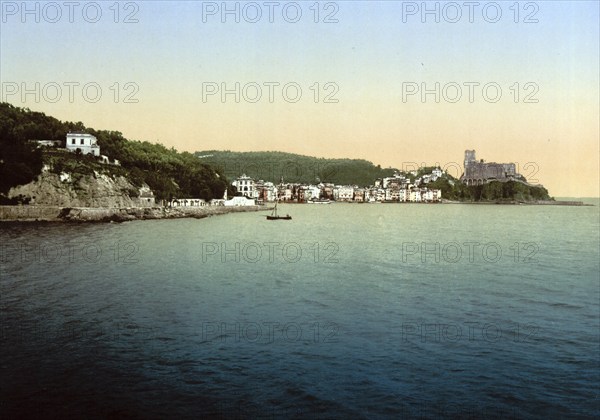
81	141
72	141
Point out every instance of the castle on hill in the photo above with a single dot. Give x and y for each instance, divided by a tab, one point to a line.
480	172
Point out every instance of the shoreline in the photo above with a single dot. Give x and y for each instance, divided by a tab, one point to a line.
524	203
445	201
57	214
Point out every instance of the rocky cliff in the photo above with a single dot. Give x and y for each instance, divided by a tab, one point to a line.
96	190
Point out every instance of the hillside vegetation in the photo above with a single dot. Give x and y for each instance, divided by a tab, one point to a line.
167	172
273	166
494	191
200	175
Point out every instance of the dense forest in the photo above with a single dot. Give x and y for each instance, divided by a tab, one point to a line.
273	166
168	172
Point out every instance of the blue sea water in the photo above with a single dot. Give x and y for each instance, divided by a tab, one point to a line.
349	310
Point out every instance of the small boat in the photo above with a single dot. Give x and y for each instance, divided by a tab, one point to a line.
274	215
320	201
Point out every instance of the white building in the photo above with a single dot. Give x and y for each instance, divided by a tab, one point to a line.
415	196
265	191
397	179
427	195
376	194
239	202
343	193
187	202
285	193
432	195
392	193
403	195
245	185
86	143
271	192
217	202
312	192
48	143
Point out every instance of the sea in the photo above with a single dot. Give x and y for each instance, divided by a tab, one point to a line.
346	311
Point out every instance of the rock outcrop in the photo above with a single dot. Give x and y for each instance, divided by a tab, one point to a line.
97	190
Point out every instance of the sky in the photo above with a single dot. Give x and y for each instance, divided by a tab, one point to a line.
401	84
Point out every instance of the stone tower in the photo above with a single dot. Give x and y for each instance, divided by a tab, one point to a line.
469	158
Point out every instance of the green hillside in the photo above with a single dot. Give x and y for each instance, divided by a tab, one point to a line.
204	174
168	172
272	166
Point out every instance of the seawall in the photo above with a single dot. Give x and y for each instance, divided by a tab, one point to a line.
100	214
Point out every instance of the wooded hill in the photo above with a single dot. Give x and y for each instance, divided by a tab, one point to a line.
168	173
273	166
204	174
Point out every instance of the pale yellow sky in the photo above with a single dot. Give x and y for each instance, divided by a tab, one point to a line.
369	55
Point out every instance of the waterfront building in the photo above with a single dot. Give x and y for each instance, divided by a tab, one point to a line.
343	193
376	194
313	192
239	202
415	195
187	202
403	195
265	191
245	185
392	193
327	191
359	195
286	192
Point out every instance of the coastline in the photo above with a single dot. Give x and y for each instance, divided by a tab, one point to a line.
57	214
522	203
445	201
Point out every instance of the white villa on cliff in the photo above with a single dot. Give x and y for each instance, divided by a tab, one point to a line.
86	143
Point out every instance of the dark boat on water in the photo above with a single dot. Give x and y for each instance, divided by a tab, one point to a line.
274	215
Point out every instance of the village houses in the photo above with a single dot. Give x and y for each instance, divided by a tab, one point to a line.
396	188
